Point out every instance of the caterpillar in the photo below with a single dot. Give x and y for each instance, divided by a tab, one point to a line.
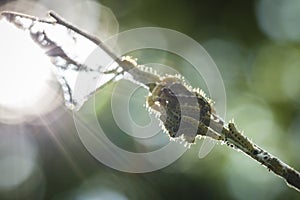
184	112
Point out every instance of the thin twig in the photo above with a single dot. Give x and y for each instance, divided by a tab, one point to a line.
236	139
60	20
228	134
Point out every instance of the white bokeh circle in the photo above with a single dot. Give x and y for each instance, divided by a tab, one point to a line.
93	136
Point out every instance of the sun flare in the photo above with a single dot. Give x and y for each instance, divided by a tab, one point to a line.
25	73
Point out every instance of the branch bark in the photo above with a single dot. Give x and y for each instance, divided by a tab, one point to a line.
234	138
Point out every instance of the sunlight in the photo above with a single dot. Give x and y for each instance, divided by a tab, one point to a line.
25	73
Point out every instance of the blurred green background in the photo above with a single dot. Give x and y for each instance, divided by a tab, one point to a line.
255	45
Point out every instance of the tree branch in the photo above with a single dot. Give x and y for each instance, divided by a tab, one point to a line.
235	139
